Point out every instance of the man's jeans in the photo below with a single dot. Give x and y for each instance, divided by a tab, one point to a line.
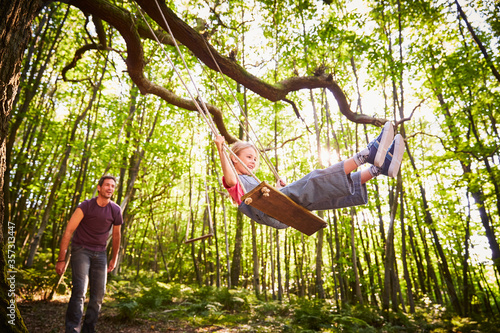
88	267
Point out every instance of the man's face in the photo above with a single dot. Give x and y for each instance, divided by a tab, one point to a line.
107	188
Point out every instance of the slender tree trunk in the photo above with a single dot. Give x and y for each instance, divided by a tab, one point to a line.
270	239
264	265
433	281
492	172
389	267
367	255
417	257
298	271
404	255
465	263
443	262
139	255
319	262
339	274
490	234
255	256
333	269
134	91
193	248
357	286
487	292
278	265
216	237
287	264
478	195
226	237
159	242
237	251
478	42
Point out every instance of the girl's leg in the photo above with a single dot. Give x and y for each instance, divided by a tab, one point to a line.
383	153
370	173
376	150
366	176
374	153
391	164
350	165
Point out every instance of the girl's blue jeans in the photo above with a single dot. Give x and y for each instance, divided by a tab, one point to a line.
321	189
88	268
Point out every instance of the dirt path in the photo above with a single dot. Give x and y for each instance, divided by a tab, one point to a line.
48	317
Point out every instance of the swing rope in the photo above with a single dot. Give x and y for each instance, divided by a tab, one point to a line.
202	109
260	145
207	120
295	215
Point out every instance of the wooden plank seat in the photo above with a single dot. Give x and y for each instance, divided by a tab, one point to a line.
276	204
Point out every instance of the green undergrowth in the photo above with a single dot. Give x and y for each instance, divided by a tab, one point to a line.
149	296
154	299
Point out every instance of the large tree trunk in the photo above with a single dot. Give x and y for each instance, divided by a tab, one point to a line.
15	22
38	55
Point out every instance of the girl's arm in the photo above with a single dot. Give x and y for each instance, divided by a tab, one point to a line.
229	176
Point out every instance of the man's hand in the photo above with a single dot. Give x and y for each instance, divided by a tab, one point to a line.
60	267
112	265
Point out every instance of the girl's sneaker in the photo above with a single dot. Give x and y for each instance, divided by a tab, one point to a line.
376	150
393	157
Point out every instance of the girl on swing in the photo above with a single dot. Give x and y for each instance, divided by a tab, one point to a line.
330	188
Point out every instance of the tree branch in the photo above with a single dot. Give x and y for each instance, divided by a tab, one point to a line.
132	30
127	25
197	44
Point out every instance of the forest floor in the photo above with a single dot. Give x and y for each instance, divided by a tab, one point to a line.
42	316
147	305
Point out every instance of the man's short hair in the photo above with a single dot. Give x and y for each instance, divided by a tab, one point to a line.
103	178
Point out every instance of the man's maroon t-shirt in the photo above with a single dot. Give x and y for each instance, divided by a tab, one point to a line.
92	232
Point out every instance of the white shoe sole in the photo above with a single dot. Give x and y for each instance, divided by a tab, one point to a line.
385	142
397	156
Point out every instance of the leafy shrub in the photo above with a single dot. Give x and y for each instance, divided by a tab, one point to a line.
272	308
159	295
312	315
368	314
33	281
128	310
352	324
227	300
232	300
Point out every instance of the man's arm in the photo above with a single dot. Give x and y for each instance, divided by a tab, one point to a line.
117	235
73	223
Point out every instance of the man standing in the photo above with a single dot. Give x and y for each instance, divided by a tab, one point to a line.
91	223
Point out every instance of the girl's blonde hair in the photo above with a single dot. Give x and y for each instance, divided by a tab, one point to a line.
238	146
